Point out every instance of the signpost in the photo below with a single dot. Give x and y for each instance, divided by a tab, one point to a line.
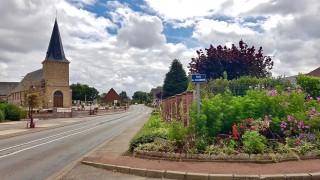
198	78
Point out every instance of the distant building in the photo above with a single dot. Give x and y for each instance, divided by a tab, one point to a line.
51	82
315	73
5	90
156	91
111	97
293	80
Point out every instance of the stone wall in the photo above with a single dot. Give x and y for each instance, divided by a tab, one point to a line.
178	107
56	75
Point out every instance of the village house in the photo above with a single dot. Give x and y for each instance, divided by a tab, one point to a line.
111	98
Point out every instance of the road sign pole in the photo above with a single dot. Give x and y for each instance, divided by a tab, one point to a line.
198	99
197	79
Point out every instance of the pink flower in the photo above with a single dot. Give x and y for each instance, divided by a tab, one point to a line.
273	92
318	99
288	88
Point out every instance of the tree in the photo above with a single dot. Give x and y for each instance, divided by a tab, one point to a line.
33	101
176	80
123	95
236	62
83	92
141	97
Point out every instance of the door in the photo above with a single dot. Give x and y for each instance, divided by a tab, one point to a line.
58	99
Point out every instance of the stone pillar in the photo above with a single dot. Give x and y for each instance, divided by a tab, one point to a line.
178	102
190	98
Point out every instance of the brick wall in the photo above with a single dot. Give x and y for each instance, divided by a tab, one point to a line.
178	107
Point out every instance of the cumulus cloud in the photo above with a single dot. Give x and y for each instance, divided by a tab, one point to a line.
127	49
142	32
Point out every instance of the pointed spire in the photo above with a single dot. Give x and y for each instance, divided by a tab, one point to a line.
55	50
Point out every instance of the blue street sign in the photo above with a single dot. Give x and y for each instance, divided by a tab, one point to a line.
198	78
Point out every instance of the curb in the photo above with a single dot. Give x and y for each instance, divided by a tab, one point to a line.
198	176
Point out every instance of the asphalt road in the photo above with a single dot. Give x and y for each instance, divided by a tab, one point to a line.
39	155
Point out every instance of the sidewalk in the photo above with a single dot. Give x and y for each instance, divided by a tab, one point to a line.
15	128
110	157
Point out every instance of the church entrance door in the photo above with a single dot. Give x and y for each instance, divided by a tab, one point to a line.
58	99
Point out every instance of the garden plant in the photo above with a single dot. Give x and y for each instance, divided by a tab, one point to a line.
272	116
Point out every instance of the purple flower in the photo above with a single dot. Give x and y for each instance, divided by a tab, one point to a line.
318	99
291	119
266	118
283	125
273	92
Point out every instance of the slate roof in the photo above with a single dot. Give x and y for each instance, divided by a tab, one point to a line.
315	72
7	87
35	78
156	90
55	49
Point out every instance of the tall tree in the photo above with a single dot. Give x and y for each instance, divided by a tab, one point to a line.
83	92
176	80
123	95
237	62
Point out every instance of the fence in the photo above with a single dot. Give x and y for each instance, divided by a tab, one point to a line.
178	107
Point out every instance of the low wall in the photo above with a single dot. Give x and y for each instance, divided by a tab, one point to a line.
73	112
178	107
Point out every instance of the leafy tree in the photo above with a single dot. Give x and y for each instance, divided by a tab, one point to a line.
83	92
33	101
237	62
123	95
176	80
140	97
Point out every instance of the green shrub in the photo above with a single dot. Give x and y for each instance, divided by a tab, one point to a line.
309	84
240	86
159	144
23	114
177	131
304	148
11	111
2	117
154	128
253	142
201	145
284	148
145	138
154	122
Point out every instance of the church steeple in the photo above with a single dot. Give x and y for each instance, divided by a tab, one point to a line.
55	50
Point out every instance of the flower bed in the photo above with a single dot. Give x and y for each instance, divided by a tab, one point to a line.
265	125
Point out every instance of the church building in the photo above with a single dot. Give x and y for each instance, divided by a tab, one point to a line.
51	82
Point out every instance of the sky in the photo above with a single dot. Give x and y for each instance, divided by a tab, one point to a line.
129	45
